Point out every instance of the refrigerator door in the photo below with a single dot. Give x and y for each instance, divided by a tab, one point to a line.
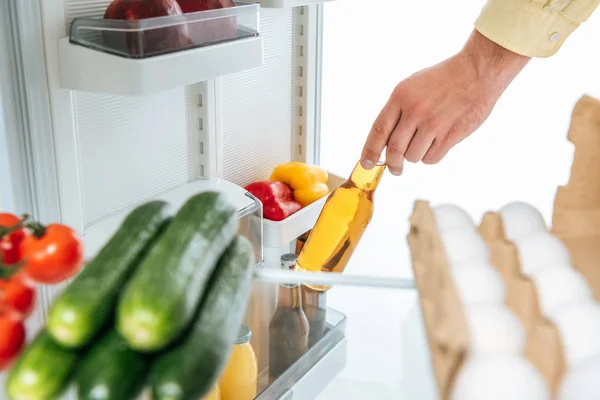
372	344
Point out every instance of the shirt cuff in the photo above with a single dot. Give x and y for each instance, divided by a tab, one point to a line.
524	27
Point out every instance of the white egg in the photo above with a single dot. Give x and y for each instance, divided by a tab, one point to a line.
559	285
449	216
579	329
494	330
541	250
464	245
581	383
478	283
499	378
520	219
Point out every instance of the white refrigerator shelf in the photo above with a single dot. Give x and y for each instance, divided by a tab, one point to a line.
290	3
151	55
249	214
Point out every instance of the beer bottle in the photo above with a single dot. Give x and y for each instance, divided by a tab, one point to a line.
341	224
288	329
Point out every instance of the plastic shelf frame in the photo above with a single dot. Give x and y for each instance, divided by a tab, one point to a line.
290	3
249	214
156	54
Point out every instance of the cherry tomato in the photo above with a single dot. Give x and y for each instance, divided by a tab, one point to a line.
53	257
18	293
9	244
12	337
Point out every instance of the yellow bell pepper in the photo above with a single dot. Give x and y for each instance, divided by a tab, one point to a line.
308	182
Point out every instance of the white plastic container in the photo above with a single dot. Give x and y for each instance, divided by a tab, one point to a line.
156	54
289	3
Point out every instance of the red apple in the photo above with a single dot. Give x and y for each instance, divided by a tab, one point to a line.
209	31
149	41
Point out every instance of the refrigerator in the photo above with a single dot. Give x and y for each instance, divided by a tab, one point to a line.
87	133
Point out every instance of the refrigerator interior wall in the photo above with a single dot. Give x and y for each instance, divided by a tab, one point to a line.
110	152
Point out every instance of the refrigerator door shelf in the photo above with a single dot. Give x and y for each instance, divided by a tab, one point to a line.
310	374
151	55
249	214
278	234
290	3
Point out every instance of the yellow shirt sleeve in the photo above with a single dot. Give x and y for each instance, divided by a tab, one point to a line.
534	28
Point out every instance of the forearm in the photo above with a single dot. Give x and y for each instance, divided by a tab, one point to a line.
491	63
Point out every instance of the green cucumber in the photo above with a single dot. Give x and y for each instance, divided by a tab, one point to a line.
161	298
110	370
88	303
189	370
42	372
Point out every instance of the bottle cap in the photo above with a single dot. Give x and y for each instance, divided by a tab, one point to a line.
244	335
288	261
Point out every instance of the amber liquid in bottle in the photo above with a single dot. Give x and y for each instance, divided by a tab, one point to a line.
339	228
288	329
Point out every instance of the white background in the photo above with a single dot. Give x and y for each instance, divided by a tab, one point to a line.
520	153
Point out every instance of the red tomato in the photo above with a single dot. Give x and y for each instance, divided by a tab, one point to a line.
9	244
53	257
12	337
19	294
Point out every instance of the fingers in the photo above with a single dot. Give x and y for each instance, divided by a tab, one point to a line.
443	143
419	145
436	152
398	143
380	133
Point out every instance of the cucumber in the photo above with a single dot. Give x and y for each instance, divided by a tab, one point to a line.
88	303
42	372
110	370
160	300
189	370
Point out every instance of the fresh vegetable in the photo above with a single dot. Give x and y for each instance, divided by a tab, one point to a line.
277	199
86	305
160	300
309	182
42	371
11	237
18	293
110	370
52	254
12	336
189	370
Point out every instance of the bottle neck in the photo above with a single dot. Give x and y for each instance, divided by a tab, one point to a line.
367	179
289	296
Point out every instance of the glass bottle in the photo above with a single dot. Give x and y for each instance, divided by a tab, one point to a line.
314	304
341	224
240	378
301	241
288	329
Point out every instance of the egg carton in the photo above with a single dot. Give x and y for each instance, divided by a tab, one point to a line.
576	217
443	317
576	222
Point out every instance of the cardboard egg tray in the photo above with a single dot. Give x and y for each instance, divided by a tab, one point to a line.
576	221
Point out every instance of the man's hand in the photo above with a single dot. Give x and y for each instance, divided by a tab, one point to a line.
434	109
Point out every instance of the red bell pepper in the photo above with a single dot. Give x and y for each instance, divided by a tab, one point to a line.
276	197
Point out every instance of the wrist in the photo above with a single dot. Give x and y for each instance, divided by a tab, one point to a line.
491	63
